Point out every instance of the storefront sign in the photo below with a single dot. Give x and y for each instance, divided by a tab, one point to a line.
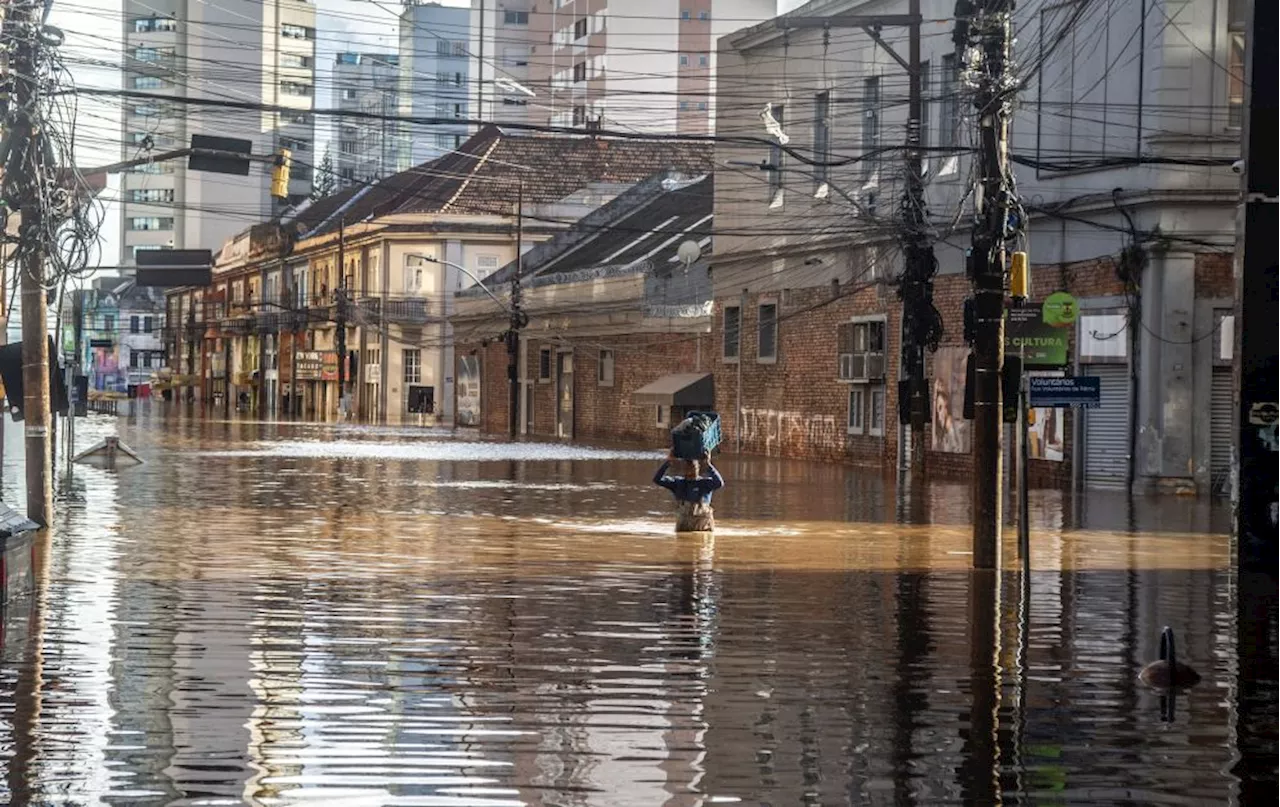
1039	332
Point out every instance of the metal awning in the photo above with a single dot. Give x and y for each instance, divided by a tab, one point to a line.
682	389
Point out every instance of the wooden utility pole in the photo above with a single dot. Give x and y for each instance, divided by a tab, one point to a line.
22	27
992	33
516	322
1256	302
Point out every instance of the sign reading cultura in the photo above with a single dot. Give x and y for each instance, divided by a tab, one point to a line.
1040	331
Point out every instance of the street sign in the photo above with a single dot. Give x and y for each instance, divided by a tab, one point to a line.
234	158
169	268
1079	391
1263	414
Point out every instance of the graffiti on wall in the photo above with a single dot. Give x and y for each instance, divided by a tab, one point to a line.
775	430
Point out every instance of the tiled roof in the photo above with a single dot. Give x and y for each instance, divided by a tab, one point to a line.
484	174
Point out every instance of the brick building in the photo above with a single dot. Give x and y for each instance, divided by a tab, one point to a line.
617	346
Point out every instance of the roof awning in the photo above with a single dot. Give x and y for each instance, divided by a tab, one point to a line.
682	389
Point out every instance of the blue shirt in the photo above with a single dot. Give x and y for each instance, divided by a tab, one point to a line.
690	490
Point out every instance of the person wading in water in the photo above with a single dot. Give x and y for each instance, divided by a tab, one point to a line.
692	491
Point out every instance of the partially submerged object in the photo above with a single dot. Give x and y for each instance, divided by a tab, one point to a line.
108	453
1168	672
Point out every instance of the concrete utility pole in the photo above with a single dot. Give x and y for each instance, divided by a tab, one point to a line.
341	318
516	322
1256	301
22	26
991	31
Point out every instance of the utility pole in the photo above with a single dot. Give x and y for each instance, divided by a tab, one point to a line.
22	27
516	322
990	28
1256	301
341	317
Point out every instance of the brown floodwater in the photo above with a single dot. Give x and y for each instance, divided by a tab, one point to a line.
305	614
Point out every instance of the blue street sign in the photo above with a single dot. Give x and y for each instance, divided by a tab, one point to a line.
1080	391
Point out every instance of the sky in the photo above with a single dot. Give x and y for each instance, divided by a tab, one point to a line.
92	51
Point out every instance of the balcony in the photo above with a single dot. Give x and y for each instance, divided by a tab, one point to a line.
399	310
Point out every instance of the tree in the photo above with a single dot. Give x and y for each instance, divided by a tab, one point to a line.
326	182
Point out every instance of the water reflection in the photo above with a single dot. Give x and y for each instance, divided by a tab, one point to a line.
242	621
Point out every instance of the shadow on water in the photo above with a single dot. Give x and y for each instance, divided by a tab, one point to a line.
277	626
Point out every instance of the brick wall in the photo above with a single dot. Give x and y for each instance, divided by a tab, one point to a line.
797	406
1215	276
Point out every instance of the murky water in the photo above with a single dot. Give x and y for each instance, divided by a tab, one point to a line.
293	614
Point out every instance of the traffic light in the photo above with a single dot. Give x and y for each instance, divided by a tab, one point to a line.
280	174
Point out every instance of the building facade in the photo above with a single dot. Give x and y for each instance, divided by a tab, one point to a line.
1129	206
366	147
596	63
435	79
207	51
121	335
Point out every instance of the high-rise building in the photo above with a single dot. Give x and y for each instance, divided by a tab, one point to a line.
434	79
254	51
367	147
647	67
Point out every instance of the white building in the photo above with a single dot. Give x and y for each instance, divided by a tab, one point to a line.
367	147
255	51
623	65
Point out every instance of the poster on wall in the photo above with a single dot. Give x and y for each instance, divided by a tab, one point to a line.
950	429
468	391
1045	436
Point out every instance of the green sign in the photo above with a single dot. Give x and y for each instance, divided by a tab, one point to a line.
1060	309
1039	332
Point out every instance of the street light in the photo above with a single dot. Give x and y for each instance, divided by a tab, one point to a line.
464	270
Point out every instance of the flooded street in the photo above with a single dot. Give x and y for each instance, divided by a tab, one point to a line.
305	614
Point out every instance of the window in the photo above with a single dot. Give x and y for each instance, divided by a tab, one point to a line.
457	79
580	72
604	373
486	263
300	118
686	14
949	103
684	106
147	324
876	426
444	142
443	48
663	419
347	147
151	195
291	31
684	60
412	365
458	112
459	48
295	88
857	410
134	325
515	18
579	115
767	350
870	118
152	168
147	110
776	158
146	358
703	60
151	54
148	25
133	359
150	223
861	349
295	144
702	106
109	323
148	83
295	60
580	28
732	332
821	137
1237	20
544	364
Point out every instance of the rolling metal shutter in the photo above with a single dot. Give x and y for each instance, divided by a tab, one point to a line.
1221	406
1106	429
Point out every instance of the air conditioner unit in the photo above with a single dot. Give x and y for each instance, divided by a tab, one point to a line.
875	365
846	366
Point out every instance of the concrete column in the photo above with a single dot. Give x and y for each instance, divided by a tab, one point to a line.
454	253
1166	375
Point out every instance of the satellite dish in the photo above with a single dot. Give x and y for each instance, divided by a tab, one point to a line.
688	252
